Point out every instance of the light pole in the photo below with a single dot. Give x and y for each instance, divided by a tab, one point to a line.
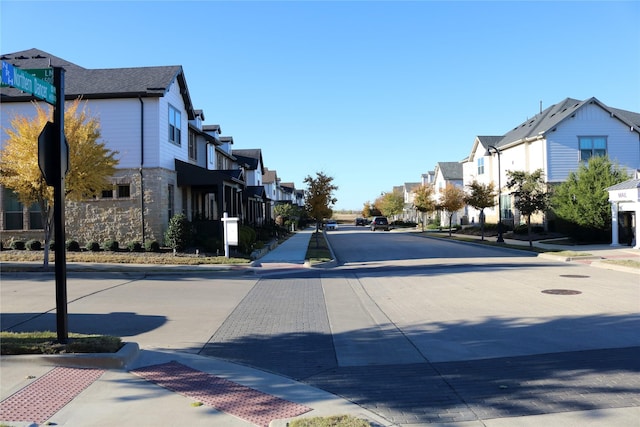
488	153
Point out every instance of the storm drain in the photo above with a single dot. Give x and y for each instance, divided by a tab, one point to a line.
41	399
561	292
575	276
224	395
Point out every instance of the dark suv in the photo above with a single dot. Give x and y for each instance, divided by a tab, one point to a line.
361	221
379	223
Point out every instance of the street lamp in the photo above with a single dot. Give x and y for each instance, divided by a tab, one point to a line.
488	153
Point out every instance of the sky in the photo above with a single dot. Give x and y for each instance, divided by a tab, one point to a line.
371	93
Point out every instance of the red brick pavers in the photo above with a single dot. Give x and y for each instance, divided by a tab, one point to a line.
41	399
224	395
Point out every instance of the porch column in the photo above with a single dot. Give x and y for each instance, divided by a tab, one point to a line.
615	240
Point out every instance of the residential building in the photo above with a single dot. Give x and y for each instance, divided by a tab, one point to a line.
169	161
556	140
449	173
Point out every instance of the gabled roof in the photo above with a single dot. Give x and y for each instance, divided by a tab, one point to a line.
451	171
269	176
551	117
409	186
103	83
252	157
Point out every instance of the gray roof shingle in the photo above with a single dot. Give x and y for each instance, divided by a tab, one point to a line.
100	83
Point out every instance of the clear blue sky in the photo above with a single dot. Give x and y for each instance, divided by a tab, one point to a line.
372	93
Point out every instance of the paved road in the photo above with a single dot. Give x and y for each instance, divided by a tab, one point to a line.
417	331
432	332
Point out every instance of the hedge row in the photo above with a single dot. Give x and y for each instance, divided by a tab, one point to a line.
74	246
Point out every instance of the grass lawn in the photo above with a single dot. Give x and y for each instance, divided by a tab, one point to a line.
318	249
47	343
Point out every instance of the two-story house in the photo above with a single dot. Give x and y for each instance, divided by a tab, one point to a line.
448	173
169	161
556	140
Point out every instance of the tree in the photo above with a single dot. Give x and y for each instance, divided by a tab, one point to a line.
390	204
369	209
90	162
582	199
423	200
452	200
481	196
530	194
319	198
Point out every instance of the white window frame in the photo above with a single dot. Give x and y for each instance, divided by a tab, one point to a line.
175	125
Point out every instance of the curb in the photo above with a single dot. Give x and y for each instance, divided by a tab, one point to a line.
118	360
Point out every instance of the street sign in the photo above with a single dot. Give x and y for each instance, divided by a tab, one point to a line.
26	81
49	165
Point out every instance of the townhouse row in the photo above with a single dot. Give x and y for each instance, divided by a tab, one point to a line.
557	140
170	161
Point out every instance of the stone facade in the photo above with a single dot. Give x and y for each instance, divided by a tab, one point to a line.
118	218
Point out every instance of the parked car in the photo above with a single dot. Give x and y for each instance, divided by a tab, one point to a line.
361	221
379	223
331	224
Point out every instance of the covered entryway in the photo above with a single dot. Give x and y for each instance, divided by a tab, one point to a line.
625	210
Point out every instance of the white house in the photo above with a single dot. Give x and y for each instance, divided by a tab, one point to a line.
556	140
169	161
446	173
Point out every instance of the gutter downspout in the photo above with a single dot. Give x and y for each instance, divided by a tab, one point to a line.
141	167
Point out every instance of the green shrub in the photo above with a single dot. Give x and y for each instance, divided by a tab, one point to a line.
52	245
111	245
178	234
134	246
152	246
246	239
34	245
93	246
18	245
72	246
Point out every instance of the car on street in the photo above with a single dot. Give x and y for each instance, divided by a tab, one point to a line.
331	224
379	223
361	221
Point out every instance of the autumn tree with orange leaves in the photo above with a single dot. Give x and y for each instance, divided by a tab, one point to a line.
90	162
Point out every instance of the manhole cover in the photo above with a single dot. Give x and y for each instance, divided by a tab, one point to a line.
574	276
561	292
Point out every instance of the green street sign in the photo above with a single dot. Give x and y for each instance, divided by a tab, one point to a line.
26	81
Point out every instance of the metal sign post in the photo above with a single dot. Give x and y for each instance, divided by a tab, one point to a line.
230	228
53	159
58	207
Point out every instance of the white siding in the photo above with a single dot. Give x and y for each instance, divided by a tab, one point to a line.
623	146
120	123
168	150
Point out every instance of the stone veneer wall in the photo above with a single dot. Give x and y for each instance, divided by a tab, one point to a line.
117	218
121	219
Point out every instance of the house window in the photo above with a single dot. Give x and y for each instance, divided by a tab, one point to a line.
193	147
175	125
13	219
35	217
170	195
591	146
107	194
124	191
481	166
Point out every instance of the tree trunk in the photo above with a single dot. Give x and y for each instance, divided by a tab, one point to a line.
47	224
529	230
450	219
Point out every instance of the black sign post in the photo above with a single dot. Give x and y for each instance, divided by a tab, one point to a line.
58	206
